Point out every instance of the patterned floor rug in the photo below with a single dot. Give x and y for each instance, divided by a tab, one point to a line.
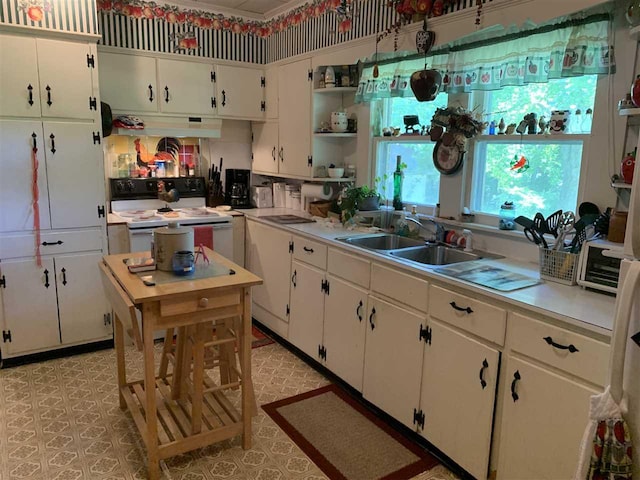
260	339
344	439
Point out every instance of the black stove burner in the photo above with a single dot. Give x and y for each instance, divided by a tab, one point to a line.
165	210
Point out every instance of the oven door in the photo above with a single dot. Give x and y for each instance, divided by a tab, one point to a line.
140	240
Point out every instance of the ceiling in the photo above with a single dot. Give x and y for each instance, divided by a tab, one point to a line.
261	9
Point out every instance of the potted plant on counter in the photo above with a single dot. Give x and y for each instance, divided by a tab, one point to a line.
358	198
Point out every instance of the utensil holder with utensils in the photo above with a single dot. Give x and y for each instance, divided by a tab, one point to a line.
559	266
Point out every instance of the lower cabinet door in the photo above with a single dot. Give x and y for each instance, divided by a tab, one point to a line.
345	322
307	307
29	305
542	425
393	359
81	300
458	392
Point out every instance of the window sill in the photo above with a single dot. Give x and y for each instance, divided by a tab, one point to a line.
546	138
481	227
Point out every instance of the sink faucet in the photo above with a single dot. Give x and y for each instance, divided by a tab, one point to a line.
439	228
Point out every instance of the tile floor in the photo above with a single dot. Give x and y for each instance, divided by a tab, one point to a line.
60	420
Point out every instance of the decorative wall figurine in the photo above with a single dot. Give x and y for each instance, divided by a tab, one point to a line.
543	124
511	128
559	122
501	127
532	123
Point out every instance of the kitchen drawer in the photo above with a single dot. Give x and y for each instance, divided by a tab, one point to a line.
351	268
532	338
469	314
310	252
63	241
400	287
227	303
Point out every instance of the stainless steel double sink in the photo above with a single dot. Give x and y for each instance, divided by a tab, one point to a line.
417	251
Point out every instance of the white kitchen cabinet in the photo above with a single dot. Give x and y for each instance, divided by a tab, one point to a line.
459	380
240	92
345	311
294	96
269	257
393	359
186	87
65	305
307	308
48	78
542	425
69	175
265	147
128	82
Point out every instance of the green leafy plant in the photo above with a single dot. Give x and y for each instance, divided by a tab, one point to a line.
352	200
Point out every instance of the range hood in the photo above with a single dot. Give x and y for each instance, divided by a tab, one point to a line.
157	126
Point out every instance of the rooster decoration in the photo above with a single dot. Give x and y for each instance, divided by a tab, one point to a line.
167	149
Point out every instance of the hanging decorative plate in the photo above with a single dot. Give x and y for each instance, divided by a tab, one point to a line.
447	158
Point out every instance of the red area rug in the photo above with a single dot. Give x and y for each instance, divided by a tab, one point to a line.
260	339
345	440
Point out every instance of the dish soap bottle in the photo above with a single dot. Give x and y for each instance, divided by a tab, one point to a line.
413	229
402	228
397	184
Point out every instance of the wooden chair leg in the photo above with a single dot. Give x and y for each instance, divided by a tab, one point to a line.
166	350
120	362
199	339
249	382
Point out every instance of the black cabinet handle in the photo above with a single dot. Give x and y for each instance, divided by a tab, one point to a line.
373	312
46	278
308	250
571	347
30	89
282	154
53	143
293	278
150	93
224	98
48	89
273	154
166	94
64	276
358	310
213	102
33	139
516	378
45	244
460	309
485	365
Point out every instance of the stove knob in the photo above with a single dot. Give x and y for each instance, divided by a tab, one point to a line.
119	186
130	186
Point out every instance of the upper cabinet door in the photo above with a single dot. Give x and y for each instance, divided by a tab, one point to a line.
294	94
128	82
16	194
186	87
271	93
240	92
74	172
265	147
19	77
65	79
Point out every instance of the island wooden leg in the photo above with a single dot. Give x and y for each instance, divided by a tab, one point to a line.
179	366
153	457
199	334
121	366
245	360
166	349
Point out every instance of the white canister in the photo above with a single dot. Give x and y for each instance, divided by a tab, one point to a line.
279	195
339	122
290	190
167	241
296	200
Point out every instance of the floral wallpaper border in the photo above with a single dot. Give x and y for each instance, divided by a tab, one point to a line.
216	21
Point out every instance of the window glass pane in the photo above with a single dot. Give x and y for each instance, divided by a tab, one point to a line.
421	183
399	107
550	183
513	103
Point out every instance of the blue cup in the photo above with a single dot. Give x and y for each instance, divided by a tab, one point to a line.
182	262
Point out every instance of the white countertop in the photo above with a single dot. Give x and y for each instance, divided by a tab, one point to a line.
571	305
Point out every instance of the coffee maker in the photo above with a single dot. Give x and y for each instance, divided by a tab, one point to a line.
237	187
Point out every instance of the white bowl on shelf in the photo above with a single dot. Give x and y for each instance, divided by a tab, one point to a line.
336	172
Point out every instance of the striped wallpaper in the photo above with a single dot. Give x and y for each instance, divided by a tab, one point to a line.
157	35
73	16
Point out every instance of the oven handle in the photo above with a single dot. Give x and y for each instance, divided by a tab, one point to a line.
146	231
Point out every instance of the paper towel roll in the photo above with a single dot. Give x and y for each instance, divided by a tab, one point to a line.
311	191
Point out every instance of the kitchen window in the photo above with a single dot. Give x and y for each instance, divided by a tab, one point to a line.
536	172
421	182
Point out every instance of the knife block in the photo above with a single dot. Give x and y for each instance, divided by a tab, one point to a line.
214	198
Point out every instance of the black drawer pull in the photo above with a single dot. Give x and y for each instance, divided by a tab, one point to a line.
151	93
53	143
46	244
373	312
308	250
64	276
571	347
485	365
30	89
460	309
48	89
360	305
516	378
166	94
293	278
224	98
46	278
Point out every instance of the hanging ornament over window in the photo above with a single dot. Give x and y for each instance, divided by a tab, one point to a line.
519	165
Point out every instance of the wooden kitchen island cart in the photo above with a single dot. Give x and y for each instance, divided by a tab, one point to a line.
185	410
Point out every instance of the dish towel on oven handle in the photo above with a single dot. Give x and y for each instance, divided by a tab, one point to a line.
203	235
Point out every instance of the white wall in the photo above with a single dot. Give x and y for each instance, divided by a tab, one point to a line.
234	146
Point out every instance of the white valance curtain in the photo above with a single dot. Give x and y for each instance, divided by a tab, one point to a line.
566	48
